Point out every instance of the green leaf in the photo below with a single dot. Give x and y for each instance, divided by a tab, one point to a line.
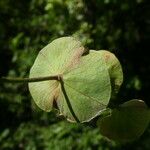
53	59
114	68
127	122
88	88
85	89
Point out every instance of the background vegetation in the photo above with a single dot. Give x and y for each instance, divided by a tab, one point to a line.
26	26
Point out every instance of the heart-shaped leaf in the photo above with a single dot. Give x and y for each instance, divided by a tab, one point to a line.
85	87
127	122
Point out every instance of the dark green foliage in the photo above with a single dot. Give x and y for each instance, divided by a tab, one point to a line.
56	136
28	25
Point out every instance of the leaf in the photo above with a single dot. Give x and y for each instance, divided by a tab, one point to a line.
88	88
85	90
114	68
127	122
53	59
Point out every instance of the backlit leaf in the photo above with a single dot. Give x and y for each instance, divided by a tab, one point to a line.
85	90
53	59
114	68
88	88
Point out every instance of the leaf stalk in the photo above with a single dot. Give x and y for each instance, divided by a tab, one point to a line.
27	80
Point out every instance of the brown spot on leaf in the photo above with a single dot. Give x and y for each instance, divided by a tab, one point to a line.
107	55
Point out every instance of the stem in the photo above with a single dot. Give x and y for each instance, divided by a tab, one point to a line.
39	79
68	101
26	80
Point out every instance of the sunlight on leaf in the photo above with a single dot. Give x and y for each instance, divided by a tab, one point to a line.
53	59
114	68
86	88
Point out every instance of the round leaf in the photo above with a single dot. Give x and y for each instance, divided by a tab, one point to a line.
114	68
127	122
53	59
88	88
85	89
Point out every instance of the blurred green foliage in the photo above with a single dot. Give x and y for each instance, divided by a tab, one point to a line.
28	25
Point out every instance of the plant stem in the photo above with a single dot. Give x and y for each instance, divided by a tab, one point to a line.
26	80
68	101
39	79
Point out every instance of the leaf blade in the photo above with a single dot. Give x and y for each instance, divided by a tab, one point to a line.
88	87
53	59
126	123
